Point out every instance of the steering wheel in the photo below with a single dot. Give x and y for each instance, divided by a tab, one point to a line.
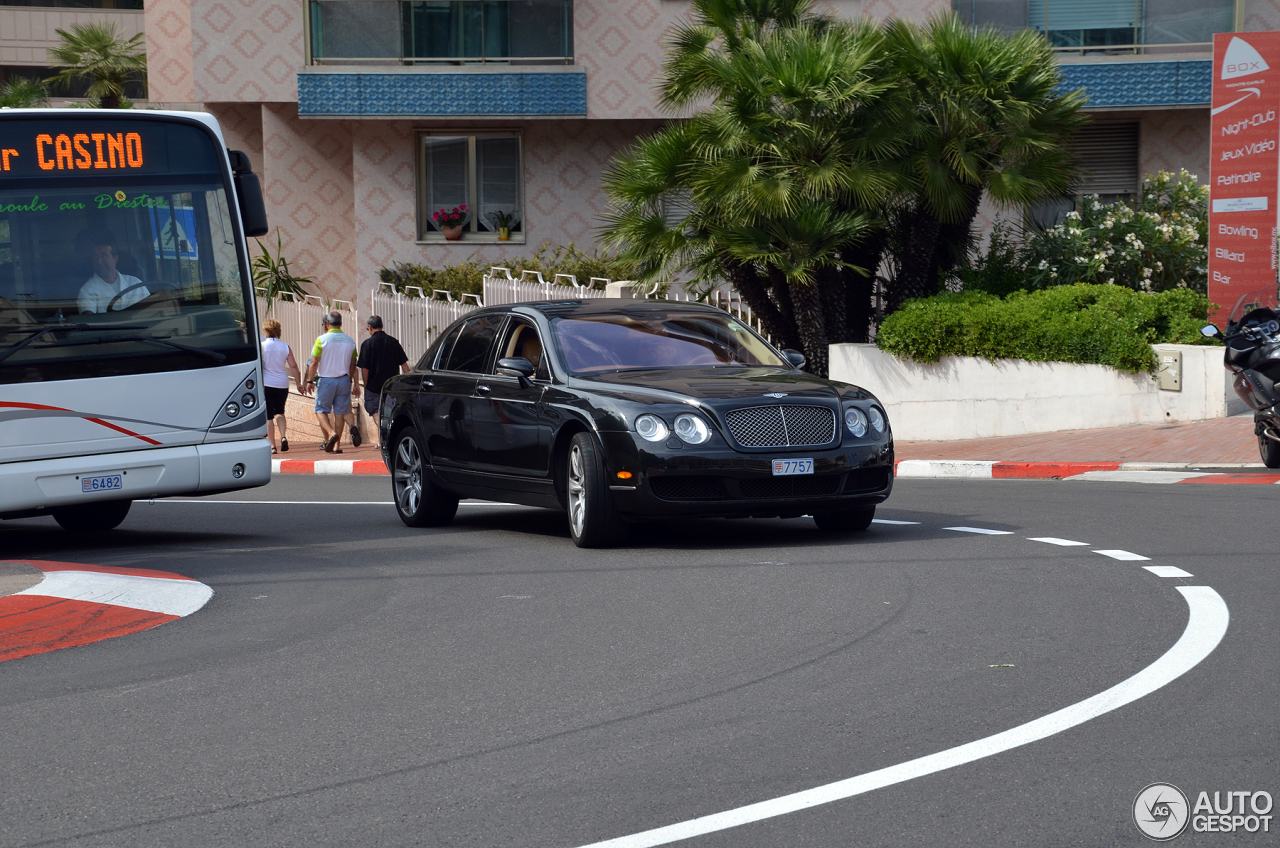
133	287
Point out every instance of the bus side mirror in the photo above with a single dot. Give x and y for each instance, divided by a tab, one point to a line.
253	211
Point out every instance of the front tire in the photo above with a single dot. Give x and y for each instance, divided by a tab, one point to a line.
419	502
1270	451
848	520
92	517
593	520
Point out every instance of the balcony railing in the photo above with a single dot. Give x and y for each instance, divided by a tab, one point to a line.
446	32
1111	27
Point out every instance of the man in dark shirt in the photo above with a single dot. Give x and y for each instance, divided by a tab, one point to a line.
381	358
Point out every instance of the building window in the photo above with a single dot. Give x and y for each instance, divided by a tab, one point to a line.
1085	27
484	171
1108	157
449	32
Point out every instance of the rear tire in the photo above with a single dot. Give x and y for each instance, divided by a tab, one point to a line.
419	502
848	520
1270	451
593	519
92	517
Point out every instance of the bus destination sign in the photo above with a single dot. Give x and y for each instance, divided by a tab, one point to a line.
87	148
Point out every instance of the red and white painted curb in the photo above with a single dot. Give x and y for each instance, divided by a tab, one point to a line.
328	466
1119	472
76	604
937	469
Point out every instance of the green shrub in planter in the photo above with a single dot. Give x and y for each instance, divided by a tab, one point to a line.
1097	324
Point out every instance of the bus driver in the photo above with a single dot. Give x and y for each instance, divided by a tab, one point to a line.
100	289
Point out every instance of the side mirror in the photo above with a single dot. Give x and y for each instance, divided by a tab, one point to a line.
795	357
253	211
516	366
1211	331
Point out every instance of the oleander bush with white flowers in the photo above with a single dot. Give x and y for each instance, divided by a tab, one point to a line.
1154	244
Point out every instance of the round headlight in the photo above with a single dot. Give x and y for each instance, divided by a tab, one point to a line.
247	400
651	428
249	383
877	419
856	421
692	429
232	410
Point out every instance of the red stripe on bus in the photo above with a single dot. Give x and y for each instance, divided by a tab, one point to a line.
85	417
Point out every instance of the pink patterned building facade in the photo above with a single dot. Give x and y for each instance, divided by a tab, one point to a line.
362	122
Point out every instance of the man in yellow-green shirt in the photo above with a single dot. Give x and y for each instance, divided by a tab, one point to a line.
333	364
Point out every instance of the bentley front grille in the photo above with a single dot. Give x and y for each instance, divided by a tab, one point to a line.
782	426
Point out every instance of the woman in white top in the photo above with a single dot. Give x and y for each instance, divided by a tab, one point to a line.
278	365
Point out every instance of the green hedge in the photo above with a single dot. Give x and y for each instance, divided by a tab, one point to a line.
1098	324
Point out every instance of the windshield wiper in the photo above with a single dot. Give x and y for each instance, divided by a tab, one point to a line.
14	348
198	351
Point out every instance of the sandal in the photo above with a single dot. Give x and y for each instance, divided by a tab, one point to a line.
284	446
355	438
331	443
337	450
273	451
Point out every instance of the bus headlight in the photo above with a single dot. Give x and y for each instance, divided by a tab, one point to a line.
247	400
232	409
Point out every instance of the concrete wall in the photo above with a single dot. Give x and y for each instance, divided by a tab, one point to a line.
967	398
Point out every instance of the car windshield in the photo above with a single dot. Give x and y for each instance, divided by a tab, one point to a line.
623	341
105	274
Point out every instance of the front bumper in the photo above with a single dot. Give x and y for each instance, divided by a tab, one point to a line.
708	481
29	487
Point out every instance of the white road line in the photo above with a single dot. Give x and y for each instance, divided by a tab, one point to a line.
981	530
1167	571
1124	555
315	503
1053	540
891	521
1206	624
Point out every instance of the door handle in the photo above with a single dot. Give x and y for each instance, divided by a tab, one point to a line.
427	384
482	389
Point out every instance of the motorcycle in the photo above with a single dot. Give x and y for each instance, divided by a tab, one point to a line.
1252	341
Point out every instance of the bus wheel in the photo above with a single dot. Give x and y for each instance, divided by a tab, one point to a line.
93	517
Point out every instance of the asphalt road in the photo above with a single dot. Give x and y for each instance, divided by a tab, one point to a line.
355	682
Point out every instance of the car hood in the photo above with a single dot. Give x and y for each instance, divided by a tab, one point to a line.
711	384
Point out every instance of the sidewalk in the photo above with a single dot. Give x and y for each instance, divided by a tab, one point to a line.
1149	453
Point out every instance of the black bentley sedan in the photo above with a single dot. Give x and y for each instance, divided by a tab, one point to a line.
623	411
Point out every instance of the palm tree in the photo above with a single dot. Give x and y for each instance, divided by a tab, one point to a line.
772	186
988	118
22	93
95	52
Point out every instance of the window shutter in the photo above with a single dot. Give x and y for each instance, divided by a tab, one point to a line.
1108	155
1053	15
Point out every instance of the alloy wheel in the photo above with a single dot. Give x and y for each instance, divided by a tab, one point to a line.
577	491
408	476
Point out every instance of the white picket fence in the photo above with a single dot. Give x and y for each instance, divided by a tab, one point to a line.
300	320
416	317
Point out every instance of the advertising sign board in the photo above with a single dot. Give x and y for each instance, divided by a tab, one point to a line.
1244	168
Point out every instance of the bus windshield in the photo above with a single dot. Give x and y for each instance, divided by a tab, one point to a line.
117	250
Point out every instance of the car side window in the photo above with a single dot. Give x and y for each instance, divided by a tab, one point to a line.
471	350
522	339
441	353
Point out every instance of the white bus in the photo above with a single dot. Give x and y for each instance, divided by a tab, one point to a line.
129	353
